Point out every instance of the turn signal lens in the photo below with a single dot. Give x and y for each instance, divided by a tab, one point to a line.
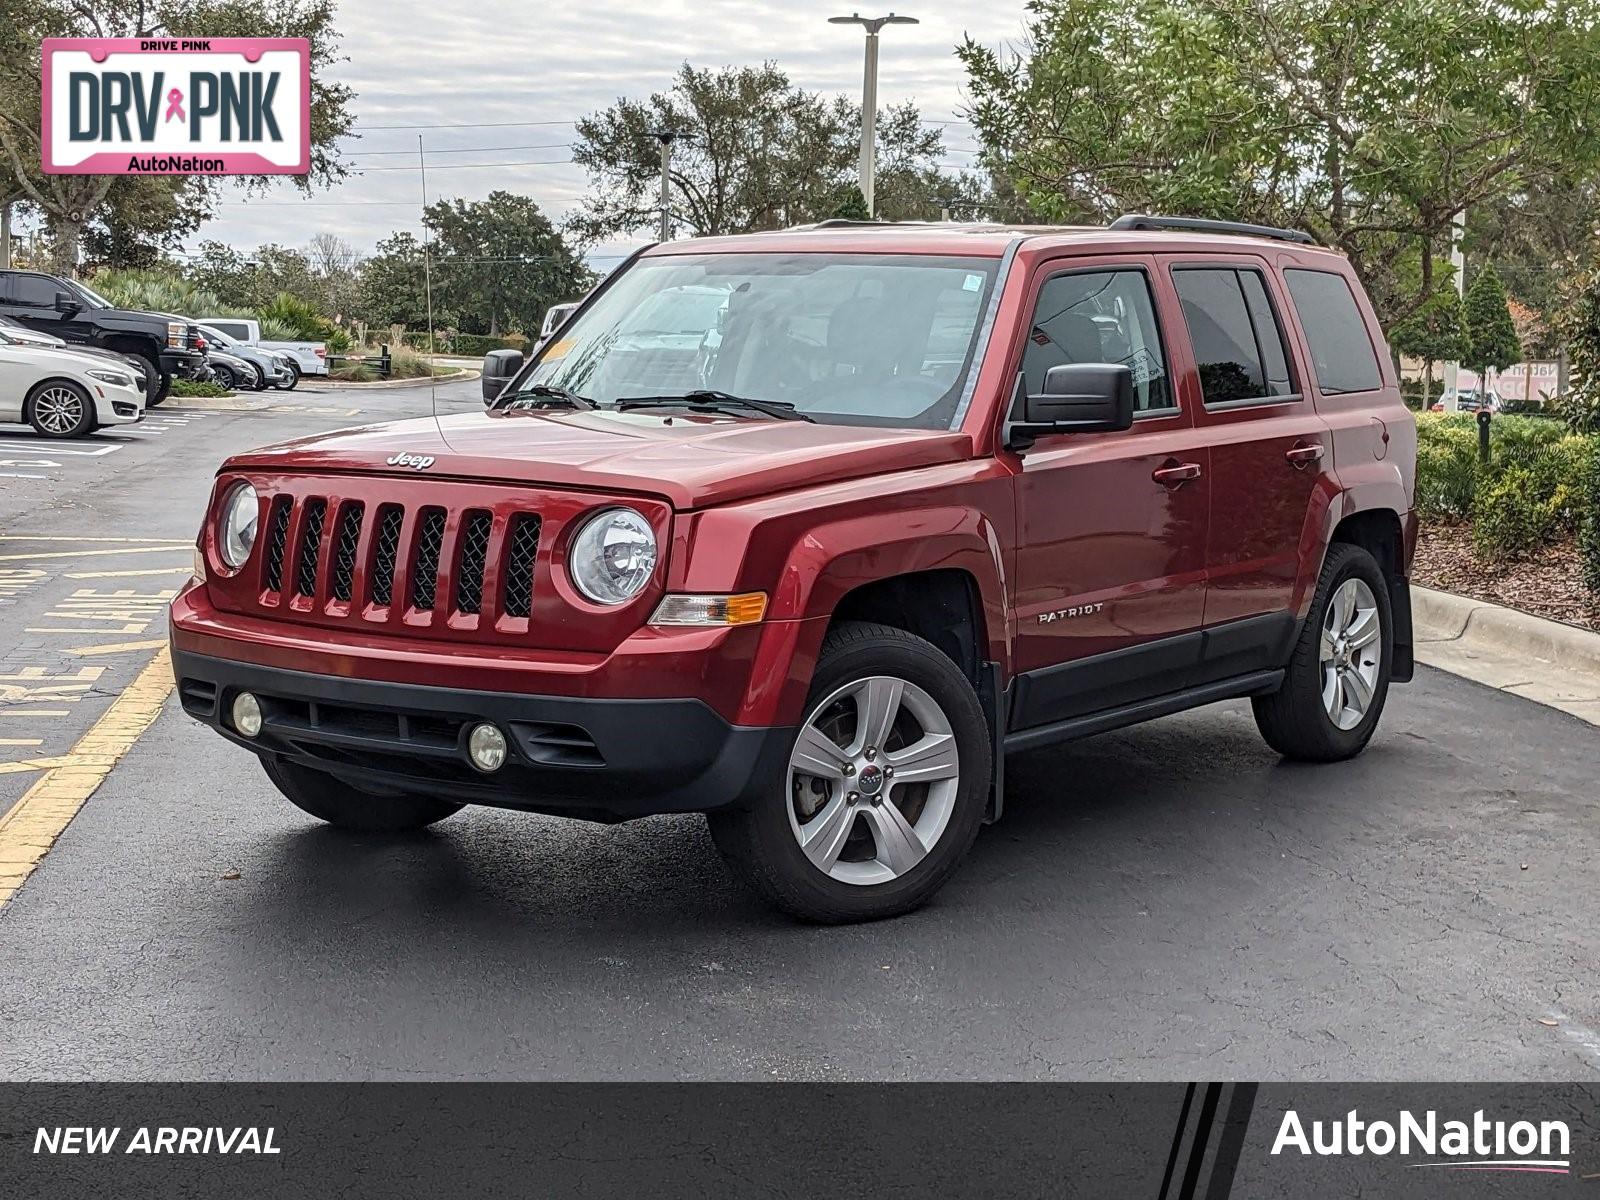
744	609
199	566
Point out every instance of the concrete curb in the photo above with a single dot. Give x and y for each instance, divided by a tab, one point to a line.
1538	659
335	385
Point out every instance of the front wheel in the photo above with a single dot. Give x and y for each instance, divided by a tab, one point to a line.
885	786
347	807
224	377
59	408
1338	677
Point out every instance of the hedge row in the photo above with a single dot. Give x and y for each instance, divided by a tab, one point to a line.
1540	485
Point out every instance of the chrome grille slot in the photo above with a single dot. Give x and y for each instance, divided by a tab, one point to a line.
425	572
517	597
310	546
385	549
473	542
344	560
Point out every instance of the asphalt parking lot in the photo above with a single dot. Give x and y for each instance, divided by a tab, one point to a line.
1161	903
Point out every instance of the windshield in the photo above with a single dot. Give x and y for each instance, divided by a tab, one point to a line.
856	339
216	337
89	294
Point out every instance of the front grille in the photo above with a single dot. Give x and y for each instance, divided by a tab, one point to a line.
474	542
385	550
277	532
425	572
518	598
310	547
344	560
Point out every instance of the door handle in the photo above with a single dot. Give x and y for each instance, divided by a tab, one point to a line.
1175	474
1301	457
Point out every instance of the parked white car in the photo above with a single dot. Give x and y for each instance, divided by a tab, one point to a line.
305	358
65	394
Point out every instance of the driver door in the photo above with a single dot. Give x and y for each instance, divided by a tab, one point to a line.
1110	565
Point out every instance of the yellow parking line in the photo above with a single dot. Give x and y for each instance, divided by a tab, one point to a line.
125	574
33	823
117	647
33	712
86	553
21	741
39	764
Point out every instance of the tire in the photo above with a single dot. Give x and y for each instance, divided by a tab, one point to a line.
347	807
151	373
163	389
294	378
60	408
224	377
763	843
258	381
1298	720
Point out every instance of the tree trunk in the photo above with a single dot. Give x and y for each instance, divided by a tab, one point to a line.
1427	382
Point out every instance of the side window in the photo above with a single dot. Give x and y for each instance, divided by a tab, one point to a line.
1341	351
1238	344
232	330
35	291
1105	317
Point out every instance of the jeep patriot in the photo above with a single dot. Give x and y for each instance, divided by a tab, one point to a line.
807	530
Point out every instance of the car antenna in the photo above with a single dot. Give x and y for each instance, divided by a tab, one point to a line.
427	291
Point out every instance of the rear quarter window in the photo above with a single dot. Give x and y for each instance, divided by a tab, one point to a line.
1342	355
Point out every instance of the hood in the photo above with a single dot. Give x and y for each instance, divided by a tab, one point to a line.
84	357
691	459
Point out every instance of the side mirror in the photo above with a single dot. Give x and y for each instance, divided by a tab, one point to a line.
1077	398
499	368
67	303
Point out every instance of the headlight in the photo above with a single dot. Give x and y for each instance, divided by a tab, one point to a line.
112	377
175	333
236	530
613	556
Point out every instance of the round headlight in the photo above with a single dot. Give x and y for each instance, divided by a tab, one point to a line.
613	556
236	530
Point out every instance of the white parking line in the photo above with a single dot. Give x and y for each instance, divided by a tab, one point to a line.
50	447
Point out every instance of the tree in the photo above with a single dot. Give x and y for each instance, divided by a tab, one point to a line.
391	289
1368	123
754	152
70	203
1436	332
852	205
1491	335
142	218
499	263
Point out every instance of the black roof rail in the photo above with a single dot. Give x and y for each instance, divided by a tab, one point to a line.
1206	225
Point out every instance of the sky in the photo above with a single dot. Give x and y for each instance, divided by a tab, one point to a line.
504	80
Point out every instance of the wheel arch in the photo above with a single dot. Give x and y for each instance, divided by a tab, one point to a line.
1382	533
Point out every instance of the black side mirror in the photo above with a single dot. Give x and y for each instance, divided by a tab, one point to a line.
67	303
499	368
1077	398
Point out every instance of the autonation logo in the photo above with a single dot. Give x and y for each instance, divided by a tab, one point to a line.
1476	1145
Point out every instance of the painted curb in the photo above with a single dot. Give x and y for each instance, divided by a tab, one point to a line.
332	385
1492	628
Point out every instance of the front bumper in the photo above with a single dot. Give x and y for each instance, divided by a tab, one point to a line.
118	406
183	364
601	759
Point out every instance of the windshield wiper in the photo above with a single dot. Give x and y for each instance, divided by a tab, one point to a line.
551	396
715	401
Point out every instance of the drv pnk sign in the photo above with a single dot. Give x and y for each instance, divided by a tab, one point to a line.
177	106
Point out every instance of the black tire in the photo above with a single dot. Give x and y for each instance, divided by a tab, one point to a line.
759	842
163	389
224	377
258	381
1294	720
347	807
82	426
294	378
151	373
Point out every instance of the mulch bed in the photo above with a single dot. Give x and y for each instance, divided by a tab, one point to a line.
1548	583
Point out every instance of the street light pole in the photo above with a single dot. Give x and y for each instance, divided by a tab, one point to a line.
665	137
869	96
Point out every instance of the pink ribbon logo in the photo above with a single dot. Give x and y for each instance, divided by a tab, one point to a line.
175	105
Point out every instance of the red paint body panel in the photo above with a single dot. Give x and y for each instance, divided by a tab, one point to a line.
807	513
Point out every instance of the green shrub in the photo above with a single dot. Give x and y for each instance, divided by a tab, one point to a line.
471	345
354	372
1510	515
1447	465
406	363
191	387
1589	529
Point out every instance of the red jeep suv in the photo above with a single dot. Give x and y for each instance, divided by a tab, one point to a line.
807	530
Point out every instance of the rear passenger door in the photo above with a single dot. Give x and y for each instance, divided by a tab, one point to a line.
1267	446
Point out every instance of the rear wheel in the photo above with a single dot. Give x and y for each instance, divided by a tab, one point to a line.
1338	676
347	807
59	408
162	390
884	790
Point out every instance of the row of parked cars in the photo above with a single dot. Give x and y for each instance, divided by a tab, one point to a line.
71	361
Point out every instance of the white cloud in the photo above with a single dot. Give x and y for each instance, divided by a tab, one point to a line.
416	62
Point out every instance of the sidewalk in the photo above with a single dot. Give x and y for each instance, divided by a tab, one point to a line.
1544	661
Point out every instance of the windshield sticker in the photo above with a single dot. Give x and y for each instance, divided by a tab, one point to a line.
972	283
1145	367
558	349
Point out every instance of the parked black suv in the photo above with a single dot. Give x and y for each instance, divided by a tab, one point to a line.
168	346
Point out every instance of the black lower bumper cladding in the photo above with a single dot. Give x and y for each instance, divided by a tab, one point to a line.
606	760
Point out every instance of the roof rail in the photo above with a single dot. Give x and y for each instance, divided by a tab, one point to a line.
1205	225
859	223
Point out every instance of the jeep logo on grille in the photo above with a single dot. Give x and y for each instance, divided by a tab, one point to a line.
417	462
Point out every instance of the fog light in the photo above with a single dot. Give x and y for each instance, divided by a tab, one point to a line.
486	747
247	714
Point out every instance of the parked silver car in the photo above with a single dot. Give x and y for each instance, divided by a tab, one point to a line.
271	368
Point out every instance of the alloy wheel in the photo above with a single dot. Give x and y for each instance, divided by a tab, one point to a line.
59	409
873	780
1350	652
